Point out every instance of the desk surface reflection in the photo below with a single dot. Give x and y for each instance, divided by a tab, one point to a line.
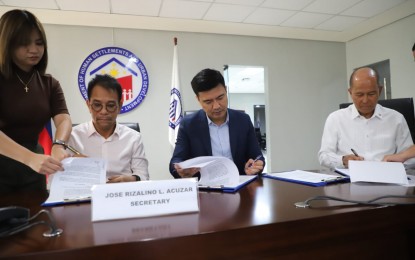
258	221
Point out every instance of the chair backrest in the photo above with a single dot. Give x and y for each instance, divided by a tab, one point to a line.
134	126
405	106
188	112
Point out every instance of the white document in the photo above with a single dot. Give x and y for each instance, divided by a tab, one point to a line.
382	172
75	182
214	170
244	179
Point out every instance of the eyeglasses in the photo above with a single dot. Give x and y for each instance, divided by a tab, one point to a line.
110	107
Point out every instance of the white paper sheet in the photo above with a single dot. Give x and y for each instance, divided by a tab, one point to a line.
214	170
75	182
244	179
382	172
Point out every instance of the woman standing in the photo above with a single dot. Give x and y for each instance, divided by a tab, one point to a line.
29	98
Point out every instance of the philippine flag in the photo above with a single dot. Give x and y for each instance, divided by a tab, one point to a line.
45	138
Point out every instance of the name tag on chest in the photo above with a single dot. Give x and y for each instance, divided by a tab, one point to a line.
144	199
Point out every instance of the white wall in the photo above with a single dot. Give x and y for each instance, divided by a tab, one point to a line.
246	102
305	81
393	42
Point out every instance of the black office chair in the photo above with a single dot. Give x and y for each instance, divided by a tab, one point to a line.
134	126
405	106
188	112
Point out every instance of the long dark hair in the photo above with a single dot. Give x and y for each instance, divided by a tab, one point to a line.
16	27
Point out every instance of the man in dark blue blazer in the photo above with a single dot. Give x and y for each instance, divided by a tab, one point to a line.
216	130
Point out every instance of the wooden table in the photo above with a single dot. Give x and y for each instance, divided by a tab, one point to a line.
260	221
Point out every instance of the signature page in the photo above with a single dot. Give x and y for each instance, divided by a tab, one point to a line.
75	182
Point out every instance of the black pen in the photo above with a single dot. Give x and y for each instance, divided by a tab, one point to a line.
354	152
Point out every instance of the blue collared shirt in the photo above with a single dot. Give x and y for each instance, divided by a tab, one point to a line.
219	138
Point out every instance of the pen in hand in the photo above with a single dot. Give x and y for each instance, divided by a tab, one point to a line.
73	150
354	152
256	159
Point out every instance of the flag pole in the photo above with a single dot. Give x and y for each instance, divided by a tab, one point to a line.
175	109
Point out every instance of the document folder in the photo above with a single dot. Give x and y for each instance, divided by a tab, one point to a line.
307	178
243	181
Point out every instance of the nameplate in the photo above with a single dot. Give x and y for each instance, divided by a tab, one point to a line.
144	199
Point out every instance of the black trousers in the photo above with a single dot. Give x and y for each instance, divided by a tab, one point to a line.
16	176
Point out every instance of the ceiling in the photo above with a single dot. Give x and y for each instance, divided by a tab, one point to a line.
327	20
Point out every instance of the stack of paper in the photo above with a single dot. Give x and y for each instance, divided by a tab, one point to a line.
218	173
382	172
74	183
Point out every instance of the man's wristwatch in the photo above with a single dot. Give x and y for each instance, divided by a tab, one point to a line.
60	142
137	178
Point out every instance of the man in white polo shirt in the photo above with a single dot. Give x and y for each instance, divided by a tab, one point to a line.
365	130
103	137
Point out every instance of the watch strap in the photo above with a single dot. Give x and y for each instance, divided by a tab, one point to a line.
60	142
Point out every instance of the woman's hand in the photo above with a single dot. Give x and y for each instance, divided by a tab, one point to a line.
44	164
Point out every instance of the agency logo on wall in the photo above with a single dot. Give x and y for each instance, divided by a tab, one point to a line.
121	64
